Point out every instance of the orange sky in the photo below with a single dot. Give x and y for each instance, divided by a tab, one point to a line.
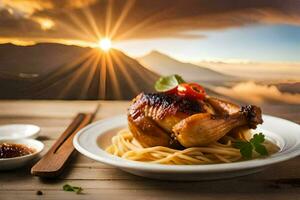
187	31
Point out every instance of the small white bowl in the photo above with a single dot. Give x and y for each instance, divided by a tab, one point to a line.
18	131
16	162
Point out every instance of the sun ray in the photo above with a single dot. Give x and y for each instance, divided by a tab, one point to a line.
122	17
76	20
146	22
108	17
87	12
90	77
122	67
102	80
78	73
56	76
73	31
113	77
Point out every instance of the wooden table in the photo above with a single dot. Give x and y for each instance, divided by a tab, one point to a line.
281	181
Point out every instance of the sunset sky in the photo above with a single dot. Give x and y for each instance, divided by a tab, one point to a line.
235	31
251	43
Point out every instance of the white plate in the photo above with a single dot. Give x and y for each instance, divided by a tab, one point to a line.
93	139
16	162
18	131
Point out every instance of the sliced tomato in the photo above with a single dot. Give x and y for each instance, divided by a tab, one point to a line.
192	90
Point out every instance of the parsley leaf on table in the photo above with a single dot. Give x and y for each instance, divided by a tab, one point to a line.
246	148
70	188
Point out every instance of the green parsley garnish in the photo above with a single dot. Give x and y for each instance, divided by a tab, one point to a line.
166	83
70	188
246	148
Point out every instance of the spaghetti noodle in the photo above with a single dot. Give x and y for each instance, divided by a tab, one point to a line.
124	145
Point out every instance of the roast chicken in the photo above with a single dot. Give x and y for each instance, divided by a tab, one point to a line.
162	119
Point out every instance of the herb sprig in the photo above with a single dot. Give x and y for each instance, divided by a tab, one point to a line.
166	83
70	188
246	148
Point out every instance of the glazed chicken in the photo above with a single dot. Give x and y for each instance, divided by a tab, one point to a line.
162	119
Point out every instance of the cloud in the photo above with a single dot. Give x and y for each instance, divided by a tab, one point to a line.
254	93
89	19
255	70
28	7
24	7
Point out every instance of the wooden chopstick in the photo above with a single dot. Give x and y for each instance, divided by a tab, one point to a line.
55	160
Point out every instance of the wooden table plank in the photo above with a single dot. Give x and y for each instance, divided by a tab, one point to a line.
153	194
55	109
280	181
100	172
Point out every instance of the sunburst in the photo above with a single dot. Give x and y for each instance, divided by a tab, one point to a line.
100	63
105	44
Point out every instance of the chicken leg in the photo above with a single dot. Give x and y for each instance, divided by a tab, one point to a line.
204	128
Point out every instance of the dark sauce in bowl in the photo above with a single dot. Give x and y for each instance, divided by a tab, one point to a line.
8	150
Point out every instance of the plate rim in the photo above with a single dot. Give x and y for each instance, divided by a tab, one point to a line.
143	166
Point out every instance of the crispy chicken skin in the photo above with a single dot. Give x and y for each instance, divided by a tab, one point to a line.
151	117
222	107
147	132
160	119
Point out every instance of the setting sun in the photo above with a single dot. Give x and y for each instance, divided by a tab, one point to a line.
105	44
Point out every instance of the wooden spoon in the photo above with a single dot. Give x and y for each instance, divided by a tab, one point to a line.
55	160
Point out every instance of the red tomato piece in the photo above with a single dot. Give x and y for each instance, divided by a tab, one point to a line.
192	90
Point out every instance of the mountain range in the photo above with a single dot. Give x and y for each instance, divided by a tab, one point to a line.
56	71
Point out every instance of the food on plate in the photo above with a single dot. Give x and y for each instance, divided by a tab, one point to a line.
181	124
